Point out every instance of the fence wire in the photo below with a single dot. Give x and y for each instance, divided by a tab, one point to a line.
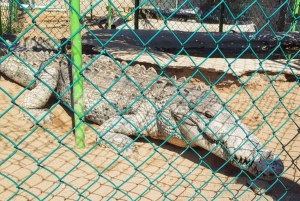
249	15
40	161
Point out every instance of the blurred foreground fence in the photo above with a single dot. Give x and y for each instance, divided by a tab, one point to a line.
42	163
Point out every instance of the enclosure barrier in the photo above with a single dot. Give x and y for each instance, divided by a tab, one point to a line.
8	17
43	162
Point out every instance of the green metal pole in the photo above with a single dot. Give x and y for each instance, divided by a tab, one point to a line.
15	11
296	13
78	86
295	22
221	22
136	14
1	25
10	16
109	15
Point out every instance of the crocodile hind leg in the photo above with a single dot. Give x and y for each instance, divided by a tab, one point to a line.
38	97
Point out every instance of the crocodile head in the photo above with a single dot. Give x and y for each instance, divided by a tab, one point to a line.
204	121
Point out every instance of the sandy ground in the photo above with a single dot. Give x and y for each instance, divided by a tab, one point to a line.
43	162
57	25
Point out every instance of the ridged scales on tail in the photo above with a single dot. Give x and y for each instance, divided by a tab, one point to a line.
34	44
135	101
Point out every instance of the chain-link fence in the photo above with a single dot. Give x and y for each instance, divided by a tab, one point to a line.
236	16
228	102
9	17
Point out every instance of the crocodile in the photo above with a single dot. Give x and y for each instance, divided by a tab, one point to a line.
137	101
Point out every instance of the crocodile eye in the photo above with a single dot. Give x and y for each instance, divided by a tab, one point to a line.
208	114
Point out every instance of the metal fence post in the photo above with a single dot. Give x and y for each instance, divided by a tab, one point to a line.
1	25
296	13
221	22
78	85
109	15
136	14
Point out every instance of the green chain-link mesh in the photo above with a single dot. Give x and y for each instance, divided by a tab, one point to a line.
41	162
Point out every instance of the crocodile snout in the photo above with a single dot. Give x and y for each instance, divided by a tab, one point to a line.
270	167
278	166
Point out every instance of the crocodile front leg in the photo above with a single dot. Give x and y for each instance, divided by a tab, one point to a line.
36	99
114	132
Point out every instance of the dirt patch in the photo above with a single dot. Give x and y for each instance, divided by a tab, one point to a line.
54	23
43	160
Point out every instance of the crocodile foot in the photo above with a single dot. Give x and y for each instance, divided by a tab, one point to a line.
42	116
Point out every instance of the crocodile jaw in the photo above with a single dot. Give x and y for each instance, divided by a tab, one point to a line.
264	164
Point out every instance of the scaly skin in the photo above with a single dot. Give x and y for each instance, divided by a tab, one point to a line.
189	116
34	44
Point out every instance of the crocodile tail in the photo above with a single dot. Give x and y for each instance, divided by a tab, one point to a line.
40	44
